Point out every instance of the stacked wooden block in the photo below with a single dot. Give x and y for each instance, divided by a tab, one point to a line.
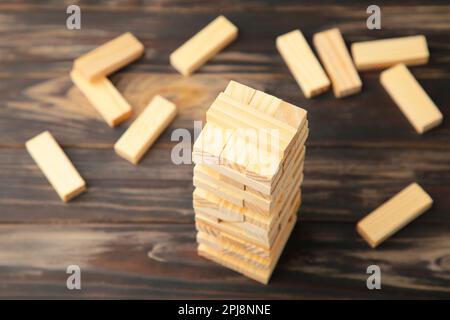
249	168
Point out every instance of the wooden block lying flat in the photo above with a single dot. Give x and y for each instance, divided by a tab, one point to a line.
144	131
394	214
203	46
109	57
410	97
56	166
104	97
303	64
335	58
384	53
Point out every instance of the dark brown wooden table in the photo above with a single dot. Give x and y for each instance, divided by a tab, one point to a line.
133	232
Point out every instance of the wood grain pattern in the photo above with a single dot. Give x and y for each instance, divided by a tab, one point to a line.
336	60
144	131
109	57
356	157
378	54
410	97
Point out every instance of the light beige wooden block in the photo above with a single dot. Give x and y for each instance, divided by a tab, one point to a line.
337	62
204	45
229	113
210	143
394	214
104	97
144	131
56	166
376	54
280	110
235	154
303	64
109	57
410	97
231	182
247	268
241	252
211	186
239	92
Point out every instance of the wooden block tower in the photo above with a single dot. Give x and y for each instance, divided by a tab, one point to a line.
249	168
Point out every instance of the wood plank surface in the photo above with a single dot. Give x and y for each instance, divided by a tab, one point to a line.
133	232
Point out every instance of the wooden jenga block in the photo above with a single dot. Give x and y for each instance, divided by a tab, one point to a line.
231	182
56	166
274	107
235	154
246	117
239	265
260	186
410	97
240	251
203	46
291	115
394	214
231	212
265	103
104	97
252	232
109	57
239	92
212	186
210	144
144	131
303	64
412	50
335	58
204	199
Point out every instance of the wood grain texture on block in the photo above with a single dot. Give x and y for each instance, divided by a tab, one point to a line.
109	57
394	214
337	62
302	63
376	54
56	166
210	143
233	114
204	45
104	97
238	264
280	110
239	92
144	131
410	97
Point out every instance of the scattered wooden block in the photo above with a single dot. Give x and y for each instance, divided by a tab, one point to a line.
410	97
412	50
303	64
232	114
203	46
394	214
144	131
56	166
109	57
335	58
104	97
